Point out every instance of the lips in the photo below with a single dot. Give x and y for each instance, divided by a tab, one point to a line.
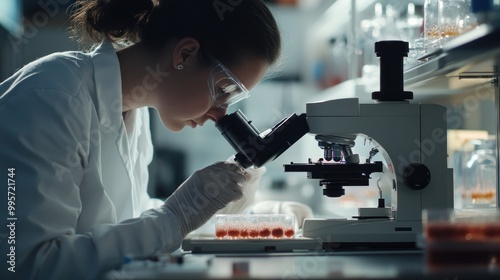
193	124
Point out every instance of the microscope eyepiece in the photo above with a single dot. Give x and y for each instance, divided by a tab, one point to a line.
238	131
391	55
255	148
400	48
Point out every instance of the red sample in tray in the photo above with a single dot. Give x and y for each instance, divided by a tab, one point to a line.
233	232
244	233
277	232
265	232
254	226
220	233
253	233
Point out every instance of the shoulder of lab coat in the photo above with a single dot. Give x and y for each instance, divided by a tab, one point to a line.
48	117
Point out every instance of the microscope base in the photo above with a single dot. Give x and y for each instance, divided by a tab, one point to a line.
366	234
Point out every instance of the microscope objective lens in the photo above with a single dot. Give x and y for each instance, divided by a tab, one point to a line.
328	153
337	153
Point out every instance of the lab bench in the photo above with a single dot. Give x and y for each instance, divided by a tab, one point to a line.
410	264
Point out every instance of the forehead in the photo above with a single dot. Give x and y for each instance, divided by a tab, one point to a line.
249	71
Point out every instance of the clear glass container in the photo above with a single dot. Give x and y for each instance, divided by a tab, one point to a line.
417	49
469	20
479	175
449	19
432	32
458	165
254	226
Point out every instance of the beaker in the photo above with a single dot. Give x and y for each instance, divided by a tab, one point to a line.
449	19
480	175
432	31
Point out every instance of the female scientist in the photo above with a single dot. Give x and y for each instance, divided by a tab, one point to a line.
75	138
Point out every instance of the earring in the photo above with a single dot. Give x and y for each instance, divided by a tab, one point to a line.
180	67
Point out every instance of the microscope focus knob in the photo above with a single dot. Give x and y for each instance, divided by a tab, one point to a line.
416	176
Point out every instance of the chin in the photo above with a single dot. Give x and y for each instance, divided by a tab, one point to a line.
173	127
176	128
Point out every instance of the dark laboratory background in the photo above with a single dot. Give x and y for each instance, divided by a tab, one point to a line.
326	54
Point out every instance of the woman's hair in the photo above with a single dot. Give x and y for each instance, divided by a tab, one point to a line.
226	29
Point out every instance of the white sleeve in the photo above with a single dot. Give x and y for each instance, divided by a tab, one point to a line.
37	128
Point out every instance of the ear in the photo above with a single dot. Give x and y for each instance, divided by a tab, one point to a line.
185	52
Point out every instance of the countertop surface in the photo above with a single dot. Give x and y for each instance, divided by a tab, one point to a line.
410	264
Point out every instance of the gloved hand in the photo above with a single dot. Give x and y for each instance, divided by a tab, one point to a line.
250	186
297	209
204	193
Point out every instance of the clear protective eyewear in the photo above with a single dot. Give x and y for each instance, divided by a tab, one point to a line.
225	88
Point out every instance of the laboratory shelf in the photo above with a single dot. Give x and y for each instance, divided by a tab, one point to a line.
467	61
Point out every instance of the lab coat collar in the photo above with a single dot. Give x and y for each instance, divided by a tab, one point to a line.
107	79
108	90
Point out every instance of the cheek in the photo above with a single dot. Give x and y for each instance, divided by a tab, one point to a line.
197	99
193	101
190	98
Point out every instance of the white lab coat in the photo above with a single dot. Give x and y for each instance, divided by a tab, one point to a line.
80	170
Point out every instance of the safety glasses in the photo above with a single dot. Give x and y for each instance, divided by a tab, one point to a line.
225	88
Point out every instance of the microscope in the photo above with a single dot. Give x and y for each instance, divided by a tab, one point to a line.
412	139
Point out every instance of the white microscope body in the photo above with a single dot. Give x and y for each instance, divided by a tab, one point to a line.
413	141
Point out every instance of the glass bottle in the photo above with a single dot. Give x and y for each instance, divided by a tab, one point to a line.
449	19
432	32
479	176
469	20
458	163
